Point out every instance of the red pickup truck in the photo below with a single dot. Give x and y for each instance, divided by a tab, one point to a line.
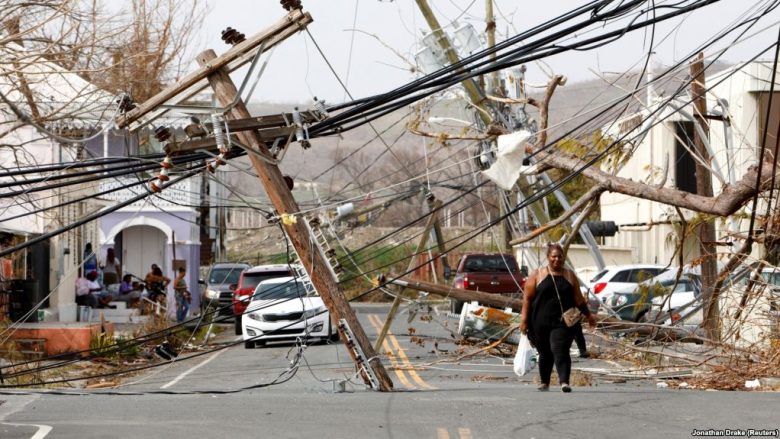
489	273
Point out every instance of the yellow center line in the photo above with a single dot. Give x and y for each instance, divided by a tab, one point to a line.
404	359
464	433
441	433
398	368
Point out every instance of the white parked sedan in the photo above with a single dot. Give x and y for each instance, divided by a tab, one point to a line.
622	278
281	310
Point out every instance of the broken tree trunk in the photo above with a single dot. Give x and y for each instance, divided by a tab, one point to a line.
653	332
281	197
731	199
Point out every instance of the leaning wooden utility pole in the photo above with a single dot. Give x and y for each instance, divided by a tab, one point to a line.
490	32
707	237
477	97
214	70
493	86
474	93
435	206
281	197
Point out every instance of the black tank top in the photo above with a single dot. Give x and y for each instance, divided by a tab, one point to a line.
545	308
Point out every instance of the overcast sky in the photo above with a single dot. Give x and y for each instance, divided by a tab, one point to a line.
296	71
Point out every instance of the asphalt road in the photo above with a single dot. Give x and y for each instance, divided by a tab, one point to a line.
435	397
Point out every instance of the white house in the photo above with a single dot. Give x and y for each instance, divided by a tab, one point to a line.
163	229
46	271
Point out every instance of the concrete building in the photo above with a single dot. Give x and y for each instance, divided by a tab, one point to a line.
664	156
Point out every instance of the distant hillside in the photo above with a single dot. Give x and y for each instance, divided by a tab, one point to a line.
572	105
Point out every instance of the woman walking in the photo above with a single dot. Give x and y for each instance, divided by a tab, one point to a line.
549	291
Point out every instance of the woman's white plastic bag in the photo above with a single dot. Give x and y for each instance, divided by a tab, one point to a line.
525	359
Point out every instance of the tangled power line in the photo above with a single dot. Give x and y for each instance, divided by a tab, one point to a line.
544	40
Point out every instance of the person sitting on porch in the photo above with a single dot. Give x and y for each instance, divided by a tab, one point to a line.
129	291
92	287
86	288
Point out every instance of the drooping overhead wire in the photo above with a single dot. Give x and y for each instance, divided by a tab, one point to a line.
477	64
26	170
93	216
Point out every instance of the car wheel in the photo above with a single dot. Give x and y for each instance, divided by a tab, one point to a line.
456	306
249	345
237	325
333	336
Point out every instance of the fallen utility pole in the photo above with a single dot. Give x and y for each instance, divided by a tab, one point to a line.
397	300
477	98
234	58
494	300
281	197
439	235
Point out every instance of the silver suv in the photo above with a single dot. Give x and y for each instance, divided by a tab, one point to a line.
218	291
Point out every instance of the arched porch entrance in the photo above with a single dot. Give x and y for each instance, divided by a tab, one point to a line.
139	247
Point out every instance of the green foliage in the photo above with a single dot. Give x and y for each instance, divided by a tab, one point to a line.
375	261
648	292
104	344
101	344
573	190
579	185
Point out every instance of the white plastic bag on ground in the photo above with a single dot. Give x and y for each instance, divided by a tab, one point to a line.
525	359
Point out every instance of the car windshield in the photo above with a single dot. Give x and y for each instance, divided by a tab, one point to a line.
252	279
273	291
772	278
490	264
743	276
225	276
